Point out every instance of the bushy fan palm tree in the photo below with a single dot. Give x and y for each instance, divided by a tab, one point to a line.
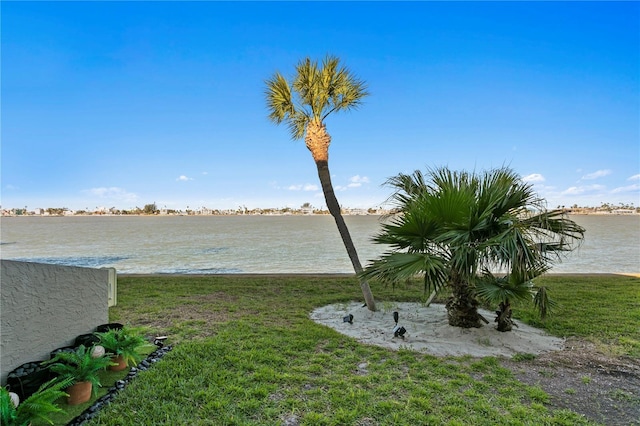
456	227
315	92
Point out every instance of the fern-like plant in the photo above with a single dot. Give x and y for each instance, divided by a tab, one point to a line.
39	406
79	366
125	343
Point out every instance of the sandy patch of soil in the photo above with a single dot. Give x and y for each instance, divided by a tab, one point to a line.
428	331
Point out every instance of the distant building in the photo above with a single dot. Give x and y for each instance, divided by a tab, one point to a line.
356	211
205	211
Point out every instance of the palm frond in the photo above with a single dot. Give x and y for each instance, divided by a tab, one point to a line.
313	93
279	99
297	124
543	302
305	84
397	266
496	289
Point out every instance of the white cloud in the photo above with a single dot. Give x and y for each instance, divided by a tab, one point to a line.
10	187
634	177
305	187
354	182
596	175
628	188
574	190
543	187
578	190
357	181
183	178
112	193
534	177
310	187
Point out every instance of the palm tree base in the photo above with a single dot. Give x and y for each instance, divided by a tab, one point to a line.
463	313
503	317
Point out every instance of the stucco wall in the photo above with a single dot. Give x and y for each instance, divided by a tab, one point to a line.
44	307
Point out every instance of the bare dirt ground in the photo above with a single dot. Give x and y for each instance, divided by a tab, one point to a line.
604	389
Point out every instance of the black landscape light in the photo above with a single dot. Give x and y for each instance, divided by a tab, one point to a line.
159	341
399	331
348	318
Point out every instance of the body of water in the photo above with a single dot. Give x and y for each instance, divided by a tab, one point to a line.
258	244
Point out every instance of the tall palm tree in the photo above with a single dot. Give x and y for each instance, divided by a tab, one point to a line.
455	227
304	103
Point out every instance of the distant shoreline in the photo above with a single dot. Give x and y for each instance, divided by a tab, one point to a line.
346	275
276	215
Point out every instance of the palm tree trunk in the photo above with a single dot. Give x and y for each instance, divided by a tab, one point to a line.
318	140
503	317
334	209
462	307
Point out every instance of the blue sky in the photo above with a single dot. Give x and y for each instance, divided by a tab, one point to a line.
121	104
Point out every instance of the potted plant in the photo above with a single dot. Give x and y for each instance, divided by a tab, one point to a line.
82	368
125	345
39	406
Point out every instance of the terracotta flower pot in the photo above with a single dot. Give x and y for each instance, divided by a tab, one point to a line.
122	363
79	393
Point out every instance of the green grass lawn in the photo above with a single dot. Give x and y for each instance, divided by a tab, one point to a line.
246	353
604	309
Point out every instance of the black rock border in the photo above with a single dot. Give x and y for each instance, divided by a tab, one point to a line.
93	410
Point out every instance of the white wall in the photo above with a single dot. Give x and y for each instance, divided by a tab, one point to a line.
44	307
